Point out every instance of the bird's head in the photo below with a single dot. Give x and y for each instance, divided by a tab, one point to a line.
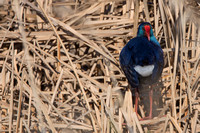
145	29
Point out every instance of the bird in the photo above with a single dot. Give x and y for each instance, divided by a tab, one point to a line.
142	61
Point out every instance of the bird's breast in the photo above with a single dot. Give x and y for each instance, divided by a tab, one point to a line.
144	70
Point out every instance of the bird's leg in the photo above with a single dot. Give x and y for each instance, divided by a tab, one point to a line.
151	103
136	100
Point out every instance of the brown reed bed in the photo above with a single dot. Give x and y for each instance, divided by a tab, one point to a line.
60	72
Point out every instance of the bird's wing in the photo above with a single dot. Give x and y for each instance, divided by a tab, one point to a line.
127	65
126	53
131	75
159	63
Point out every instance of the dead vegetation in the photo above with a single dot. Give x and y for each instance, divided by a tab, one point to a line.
60	70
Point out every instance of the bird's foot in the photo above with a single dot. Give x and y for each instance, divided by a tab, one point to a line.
124	124
162	116
146	118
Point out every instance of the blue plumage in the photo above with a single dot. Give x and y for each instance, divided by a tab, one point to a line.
142	61
140	51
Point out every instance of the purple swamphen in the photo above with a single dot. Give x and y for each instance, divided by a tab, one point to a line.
142	61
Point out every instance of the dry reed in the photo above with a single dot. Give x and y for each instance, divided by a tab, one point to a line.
60	72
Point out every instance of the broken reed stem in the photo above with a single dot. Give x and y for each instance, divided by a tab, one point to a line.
20	103
136	3
58	54
11	90
56	89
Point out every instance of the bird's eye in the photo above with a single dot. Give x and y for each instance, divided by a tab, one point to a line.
143	29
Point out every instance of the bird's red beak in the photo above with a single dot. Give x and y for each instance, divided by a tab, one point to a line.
147	31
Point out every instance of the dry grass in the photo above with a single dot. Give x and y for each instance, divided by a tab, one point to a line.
60	70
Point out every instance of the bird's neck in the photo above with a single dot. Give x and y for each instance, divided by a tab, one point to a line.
154	40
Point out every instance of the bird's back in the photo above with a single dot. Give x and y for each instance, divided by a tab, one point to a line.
142	61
